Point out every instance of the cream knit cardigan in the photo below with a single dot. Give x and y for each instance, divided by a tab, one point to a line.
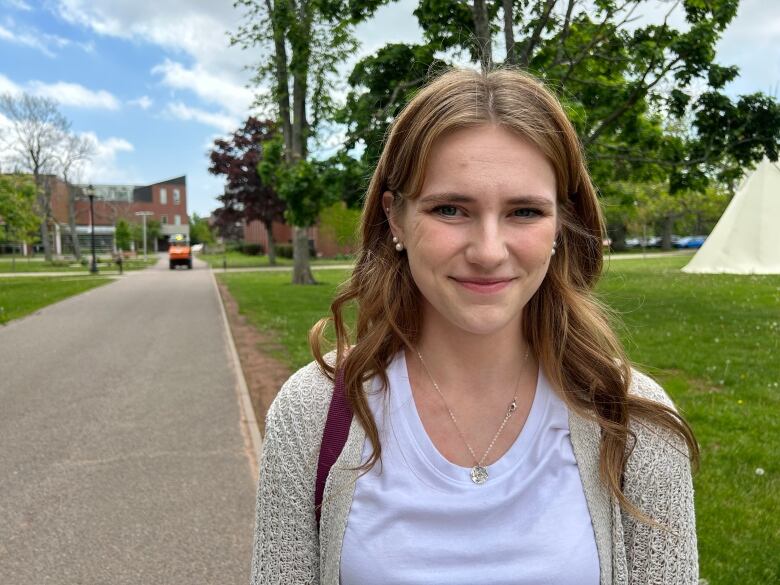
288	549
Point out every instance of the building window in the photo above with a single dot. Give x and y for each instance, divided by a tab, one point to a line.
177	219
164	219
163	196
176	197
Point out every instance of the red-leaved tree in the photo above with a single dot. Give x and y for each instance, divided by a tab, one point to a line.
246	197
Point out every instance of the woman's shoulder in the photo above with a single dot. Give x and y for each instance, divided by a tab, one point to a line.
652	442
644	386
302	403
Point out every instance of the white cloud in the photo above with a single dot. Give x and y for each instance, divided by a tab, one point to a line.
19	5
8	86
144	102
33	38
104	166
752	42
210	87
67	94
73	94
195	33
218	120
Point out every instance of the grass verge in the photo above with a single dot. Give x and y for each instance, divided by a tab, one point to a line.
711	340
22	296
7	265
239	260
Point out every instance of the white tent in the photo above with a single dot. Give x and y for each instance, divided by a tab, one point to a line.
746	239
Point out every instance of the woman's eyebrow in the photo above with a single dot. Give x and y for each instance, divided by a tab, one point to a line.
447	198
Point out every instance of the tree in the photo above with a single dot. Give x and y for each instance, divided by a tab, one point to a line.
246	196
123	235
301	186
153	232
319	36
37	132
341	223
200	231
620	82
17	208
74	151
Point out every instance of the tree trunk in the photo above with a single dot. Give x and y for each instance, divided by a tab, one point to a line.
42	186
271	243
74	237
482	29
300	135
45	240
282	87
509	33
617	233
301	268
666	241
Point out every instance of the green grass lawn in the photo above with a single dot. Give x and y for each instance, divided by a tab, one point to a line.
21	296
8	265
239	260
712	340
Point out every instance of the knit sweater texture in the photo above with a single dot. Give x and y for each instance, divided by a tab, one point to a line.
288	548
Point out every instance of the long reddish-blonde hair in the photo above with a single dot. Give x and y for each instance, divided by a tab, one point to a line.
564	324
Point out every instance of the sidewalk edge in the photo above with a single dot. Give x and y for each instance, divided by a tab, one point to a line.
248	419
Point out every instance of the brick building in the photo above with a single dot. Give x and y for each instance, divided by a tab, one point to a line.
165	200
322	243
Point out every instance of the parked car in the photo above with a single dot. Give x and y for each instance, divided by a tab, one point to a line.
690	242
650	242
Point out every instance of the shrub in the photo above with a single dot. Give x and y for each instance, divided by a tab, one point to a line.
252	249
284	250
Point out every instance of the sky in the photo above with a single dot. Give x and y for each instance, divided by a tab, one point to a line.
154	83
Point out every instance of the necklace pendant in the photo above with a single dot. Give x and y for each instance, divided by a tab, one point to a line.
479	474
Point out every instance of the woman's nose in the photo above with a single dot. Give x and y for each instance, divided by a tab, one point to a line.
487	247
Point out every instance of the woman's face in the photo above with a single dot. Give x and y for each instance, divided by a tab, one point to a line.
479	237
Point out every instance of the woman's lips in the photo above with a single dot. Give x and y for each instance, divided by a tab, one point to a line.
484	286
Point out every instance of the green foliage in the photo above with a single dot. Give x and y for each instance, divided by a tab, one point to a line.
382	84
200	232
153	231
123	235
300	184
284	251
251	249
18	212
613	78
346	179
341	223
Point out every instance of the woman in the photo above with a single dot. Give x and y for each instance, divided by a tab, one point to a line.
499	433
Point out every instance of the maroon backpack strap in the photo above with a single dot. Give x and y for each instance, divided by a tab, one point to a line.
334	437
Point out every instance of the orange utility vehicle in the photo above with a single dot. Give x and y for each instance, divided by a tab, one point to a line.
179	251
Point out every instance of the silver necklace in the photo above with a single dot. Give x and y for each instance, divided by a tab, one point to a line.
479	473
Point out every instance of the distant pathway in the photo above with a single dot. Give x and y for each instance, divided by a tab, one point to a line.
121	456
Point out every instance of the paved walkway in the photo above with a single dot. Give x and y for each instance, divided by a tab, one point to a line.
121	455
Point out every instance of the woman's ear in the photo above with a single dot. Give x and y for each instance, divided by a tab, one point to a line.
387	205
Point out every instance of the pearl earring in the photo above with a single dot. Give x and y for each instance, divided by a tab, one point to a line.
398	245
555	245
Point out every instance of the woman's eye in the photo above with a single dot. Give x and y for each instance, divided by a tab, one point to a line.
525	212
446	210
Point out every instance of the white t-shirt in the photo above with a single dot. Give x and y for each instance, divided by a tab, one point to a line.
417	519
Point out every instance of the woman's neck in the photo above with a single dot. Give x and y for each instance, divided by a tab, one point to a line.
464	361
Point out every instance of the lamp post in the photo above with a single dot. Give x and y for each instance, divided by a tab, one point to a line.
144	215
91	194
